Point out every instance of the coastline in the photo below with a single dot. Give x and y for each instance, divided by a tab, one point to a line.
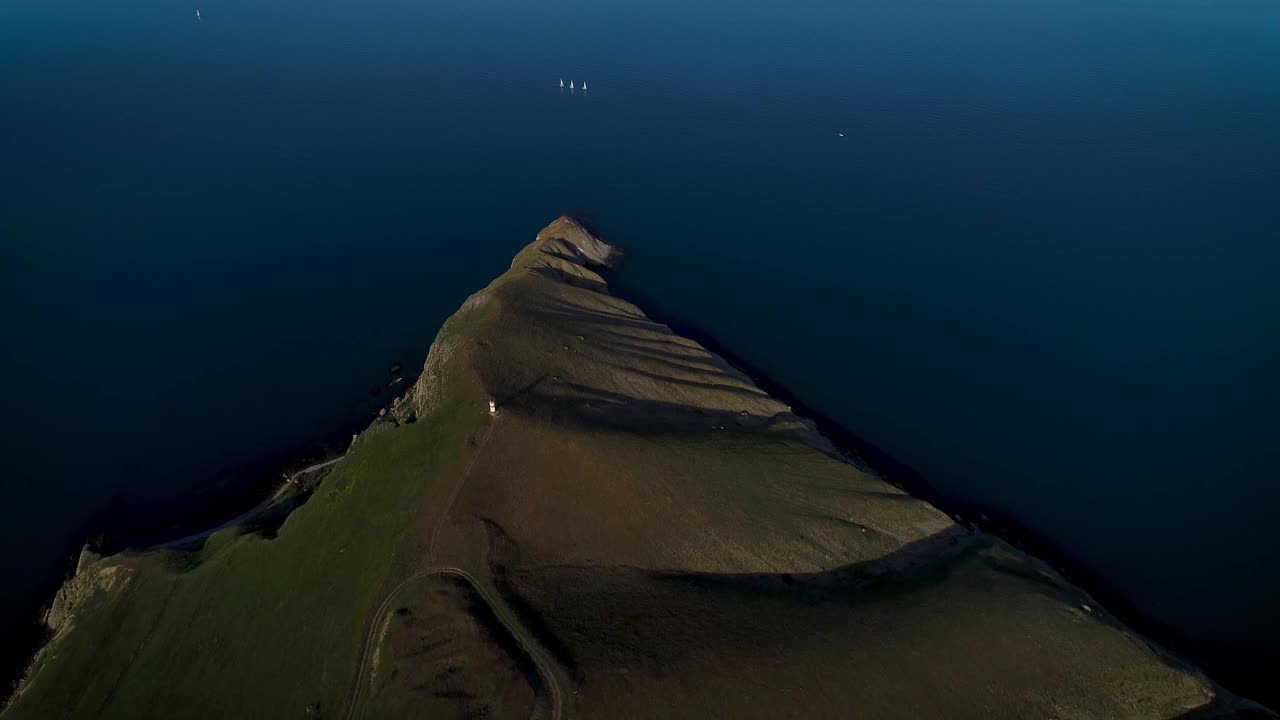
283	493
141	527
860	453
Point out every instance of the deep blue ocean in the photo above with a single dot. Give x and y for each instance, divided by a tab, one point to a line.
1029	249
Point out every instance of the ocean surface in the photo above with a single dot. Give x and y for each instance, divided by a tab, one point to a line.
1029	249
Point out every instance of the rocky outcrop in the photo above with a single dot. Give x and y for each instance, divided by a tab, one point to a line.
568	236
92	577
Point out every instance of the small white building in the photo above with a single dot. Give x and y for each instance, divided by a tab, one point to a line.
493	408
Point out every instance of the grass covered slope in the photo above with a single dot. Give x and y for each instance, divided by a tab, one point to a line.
640	532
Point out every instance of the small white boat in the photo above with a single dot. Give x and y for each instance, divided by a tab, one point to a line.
584	86
561	82
197	13
570	84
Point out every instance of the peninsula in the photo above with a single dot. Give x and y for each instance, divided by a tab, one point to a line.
577	513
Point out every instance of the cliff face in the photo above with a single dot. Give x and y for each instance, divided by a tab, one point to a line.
638	531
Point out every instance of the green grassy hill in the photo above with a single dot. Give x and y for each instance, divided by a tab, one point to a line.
639	532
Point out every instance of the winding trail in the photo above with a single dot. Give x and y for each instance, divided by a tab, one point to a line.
499	607
500	610
317	466
453	494
247	514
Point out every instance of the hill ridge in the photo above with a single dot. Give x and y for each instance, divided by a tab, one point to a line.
654	534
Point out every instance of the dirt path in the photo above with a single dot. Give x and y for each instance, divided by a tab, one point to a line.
247	514
500	609
453	494
317	466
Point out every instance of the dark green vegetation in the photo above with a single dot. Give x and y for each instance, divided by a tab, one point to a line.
639	532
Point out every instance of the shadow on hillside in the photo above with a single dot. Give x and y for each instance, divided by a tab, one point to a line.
1224	708
719	395
446	649
902	569
912	561
625	372
558	272
591	408
681	609
562	261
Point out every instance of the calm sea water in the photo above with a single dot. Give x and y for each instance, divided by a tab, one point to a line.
1028	248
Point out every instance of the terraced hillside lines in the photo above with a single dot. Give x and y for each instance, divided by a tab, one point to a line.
457	488
691	548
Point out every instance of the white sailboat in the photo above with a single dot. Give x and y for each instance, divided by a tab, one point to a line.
584	86
198	13
561	82
570	84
